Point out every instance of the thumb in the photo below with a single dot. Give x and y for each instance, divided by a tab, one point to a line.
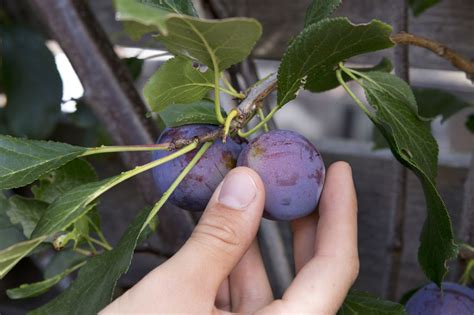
225	230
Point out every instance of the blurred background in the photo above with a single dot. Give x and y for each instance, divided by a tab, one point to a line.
70	73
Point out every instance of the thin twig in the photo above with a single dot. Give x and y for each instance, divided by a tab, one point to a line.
246	110
457	60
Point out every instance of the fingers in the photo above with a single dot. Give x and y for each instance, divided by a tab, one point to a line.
224	232
250	289
304	234
322	284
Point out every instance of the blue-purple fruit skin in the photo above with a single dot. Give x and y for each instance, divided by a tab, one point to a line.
454	300
291	169
196	189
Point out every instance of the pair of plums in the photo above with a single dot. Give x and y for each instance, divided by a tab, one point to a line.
291	168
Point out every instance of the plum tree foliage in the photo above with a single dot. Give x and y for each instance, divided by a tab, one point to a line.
204	142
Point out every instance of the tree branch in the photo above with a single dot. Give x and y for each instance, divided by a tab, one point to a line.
247	109
457	60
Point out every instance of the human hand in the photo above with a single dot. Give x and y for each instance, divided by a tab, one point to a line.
220	268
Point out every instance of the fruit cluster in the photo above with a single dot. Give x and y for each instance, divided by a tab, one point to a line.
289	165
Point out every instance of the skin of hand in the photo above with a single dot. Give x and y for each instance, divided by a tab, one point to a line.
220	270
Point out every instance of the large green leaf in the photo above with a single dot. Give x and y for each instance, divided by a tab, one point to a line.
10	256
361	303
413	145
27	212
28	290
31	83
220	43
22	161
177	81
419	6
9	233
149	15
314	54
71	206
58	182
90	292
434	102
319	10
200	112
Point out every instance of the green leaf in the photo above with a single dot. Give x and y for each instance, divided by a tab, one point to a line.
9	233
58	182
71	206
31	83
22	161
177	81
378	140
10	256
215	43
361	303
200	112
470	123
434	102
419	6
27	212
319	10
413	145
34	289
148	16
315	53
90	293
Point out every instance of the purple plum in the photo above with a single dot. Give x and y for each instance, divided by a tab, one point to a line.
196	189
455	299
292	171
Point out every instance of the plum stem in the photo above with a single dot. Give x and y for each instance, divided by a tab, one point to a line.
234	113
125	148
175	184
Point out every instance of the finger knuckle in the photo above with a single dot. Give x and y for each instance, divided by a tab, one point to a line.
219	231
